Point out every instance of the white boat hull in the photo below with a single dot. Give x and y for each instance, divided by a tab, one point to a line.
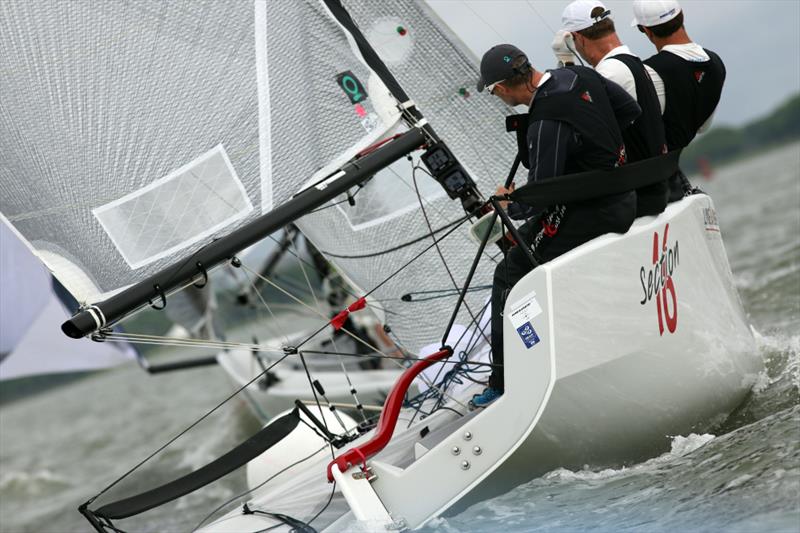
241	367
602	379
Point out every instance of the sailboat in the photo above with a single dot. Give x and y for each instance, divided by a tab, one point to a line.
195	130
31	312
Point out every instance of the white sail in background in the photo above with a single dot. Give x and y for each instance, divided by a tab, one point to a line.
30	315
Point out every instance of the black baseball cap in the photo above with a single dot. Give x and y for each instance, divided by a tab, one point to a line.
496	64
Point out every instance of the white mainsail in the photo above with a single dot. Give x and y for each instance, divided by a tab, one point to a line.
128	147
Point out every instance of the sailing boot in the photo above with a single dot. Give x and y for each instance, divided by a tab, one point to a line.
483	399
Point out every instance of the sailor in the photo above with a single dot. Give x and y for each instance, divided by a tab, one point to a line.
589	30
574	125
687	77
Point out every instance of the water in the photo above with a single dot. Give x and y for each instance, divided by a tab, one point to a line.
60	447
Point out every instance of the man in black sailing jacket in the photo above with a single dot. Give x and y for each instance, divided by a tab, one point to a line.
574	125
589	29
687	77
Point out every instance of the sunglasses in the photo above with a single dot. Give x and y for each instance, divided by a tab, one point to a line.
492	86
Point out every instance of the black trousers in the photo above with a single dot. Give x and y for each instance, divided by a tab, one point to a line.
580	225
508	272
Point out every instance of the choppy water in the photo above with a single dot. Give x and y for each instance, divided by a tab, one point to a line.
60	447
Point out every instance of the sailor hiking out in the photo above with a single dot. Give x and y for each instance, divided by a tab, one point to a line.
589	30
575	124
688	78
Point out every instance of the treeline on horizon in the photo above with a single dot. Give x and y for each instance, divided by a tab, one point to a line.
722	144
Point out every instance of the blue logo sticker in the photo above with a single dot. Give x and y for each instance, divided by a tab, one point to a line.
528	335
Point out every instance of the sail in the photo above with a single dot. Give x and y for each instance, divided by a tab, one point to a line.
133	134
438	73
30	313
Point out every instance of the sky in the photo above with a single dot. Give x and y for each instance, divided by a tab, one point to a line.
758	40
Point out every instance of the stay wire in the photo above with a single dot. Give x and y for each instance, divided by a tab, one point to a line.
399	246
263	372
190	427
261	298
466	4
408	358
397	272
332	337
342	284
316	398
438	249
536	11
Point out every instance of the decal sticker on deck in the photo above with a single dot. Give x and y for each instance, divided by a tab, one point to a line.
522	313
528	335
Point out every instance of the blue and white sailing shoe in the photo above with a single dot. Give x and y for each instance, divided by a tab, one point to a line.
483	399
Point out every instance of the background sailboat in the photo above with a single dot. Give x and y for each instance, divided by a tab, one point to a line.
30	314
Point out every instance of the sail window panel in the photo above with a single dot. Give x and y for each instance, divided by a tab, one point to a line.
175	211
388	195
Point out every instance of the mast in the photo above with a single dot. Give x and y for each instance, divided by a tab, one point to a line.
181	274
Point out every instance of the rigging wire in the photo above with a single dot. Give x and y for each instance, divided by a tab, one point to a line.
536	11
267	369
402	245
327	323
342	284
249	491
438	249
191	426
483	20
333	341
355	337
330	499
261	298
436	294
407	358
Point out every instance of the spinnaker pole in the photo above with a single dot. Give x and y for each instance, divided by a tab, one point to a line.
181	274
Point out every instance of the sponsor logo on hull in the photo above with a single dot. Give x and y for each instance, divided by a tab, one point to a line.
657	282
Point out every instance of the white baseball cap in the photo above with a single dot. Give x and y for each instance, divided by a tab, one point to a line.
577	16
651	13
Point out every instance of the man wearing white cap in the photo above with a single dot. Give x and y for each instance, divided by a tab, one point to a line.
687	77
589	26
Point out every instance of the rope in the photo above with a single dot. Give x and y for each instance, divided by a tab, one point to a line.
271	366
400	246
438	249
333	341
407	358
191	426
536	11
245	493
502	39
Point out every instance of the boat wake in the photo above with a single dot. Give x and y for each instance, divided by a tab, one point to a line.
702	483
19	484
